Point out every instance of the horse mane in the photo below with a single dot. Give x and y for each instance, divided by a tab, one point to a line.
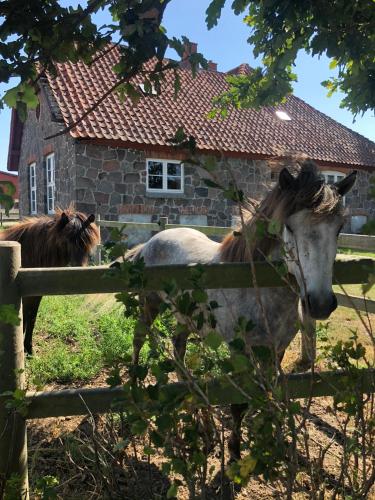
251	240
46	241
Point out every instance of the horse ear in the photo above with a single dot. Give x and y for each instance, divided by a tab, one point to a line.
90	219
346	184
286	180
64	219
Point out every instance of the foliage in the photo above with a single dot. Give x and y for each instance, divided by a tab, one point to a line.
7	192
369	227
34	36
279	30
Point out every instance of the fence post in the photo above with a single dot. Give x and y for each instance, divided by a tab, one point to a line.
98	251
308	340
163	221
13	443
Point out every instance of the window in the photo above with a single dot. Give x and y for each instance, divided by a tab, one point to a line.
165	176
331	177
32	183
50	174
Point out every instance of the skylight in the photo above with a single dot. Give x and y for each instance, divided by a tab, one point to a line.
282	115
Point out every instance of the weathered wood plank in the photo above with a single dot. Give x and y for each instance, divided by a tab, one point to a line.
353	302
357	241
149	226
78	280
218	392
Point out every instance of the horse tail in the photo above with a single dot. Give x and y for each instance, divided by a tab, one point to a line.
133	254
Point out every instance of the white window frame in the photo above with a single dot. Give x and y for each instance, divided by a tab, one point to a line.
165	177
50	177
32	189
336	176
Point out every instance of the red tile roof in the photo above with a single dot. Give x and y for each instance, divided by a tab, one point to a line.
249	132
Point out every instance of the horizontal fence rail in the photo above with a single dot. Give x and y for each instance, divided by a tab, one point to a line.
221	391
79	280
353	302
357	242
353	241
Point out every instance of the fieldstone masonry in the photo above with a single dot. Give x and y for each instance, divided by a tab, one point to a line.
112	181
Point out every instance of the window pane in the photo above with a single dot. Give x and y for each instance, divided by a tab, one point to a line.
155	168
339	177
155	182
330	179
174	183
174	169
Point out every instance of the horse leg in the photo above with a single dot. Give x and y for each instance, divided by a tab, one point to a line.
30	308
149	311
234	444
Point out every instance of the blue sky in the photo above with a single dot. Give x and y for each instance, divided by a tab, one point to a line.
226	45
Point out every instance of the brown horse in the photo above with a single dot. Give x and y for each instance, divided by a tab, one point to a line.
66	238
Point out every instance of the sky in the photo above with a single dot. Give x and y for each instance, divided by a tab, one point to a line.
226	44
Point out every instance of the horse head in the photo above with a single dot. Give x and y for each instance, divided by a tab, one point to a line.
75	236
313	216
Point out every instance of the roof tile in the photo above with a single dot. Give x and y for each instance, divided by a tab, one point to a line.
247	131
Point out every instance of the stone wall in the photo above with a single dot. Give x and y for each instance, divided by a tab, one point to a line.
112	182
40	124
359	202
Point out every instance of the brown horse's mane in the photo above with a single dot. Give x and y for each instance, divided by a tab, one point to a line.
308	191
48	241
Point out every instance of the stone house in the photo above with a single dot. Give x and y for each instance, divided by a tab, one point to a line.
119	161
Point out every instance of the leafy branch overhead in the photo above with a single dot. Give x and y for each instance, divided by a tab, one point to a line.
35	35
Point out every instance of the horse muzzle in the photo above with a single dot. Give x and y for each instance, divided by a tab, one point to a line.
319	306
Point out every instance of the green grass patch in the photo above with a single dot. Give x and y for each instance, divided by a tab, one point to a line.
355	253
72	343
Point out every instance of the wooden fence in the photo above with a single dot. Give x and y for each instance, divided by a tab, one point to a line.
352	241
16	283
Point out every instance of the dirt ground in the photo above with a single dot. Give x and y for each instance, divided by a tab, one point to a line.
87	469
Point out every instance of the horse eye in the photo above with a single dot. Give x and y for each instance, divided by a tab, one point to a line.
288	228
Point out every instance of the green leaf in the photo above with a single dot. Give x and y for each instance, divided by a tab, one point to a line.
211	183
199	296
333	64
213	13
240	362
274	227
213	339
139	427
8	315
172	491
210	164
164	423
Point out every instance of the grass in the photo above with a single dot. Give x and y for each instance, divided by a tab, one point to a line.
74	343
77	337
356	253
